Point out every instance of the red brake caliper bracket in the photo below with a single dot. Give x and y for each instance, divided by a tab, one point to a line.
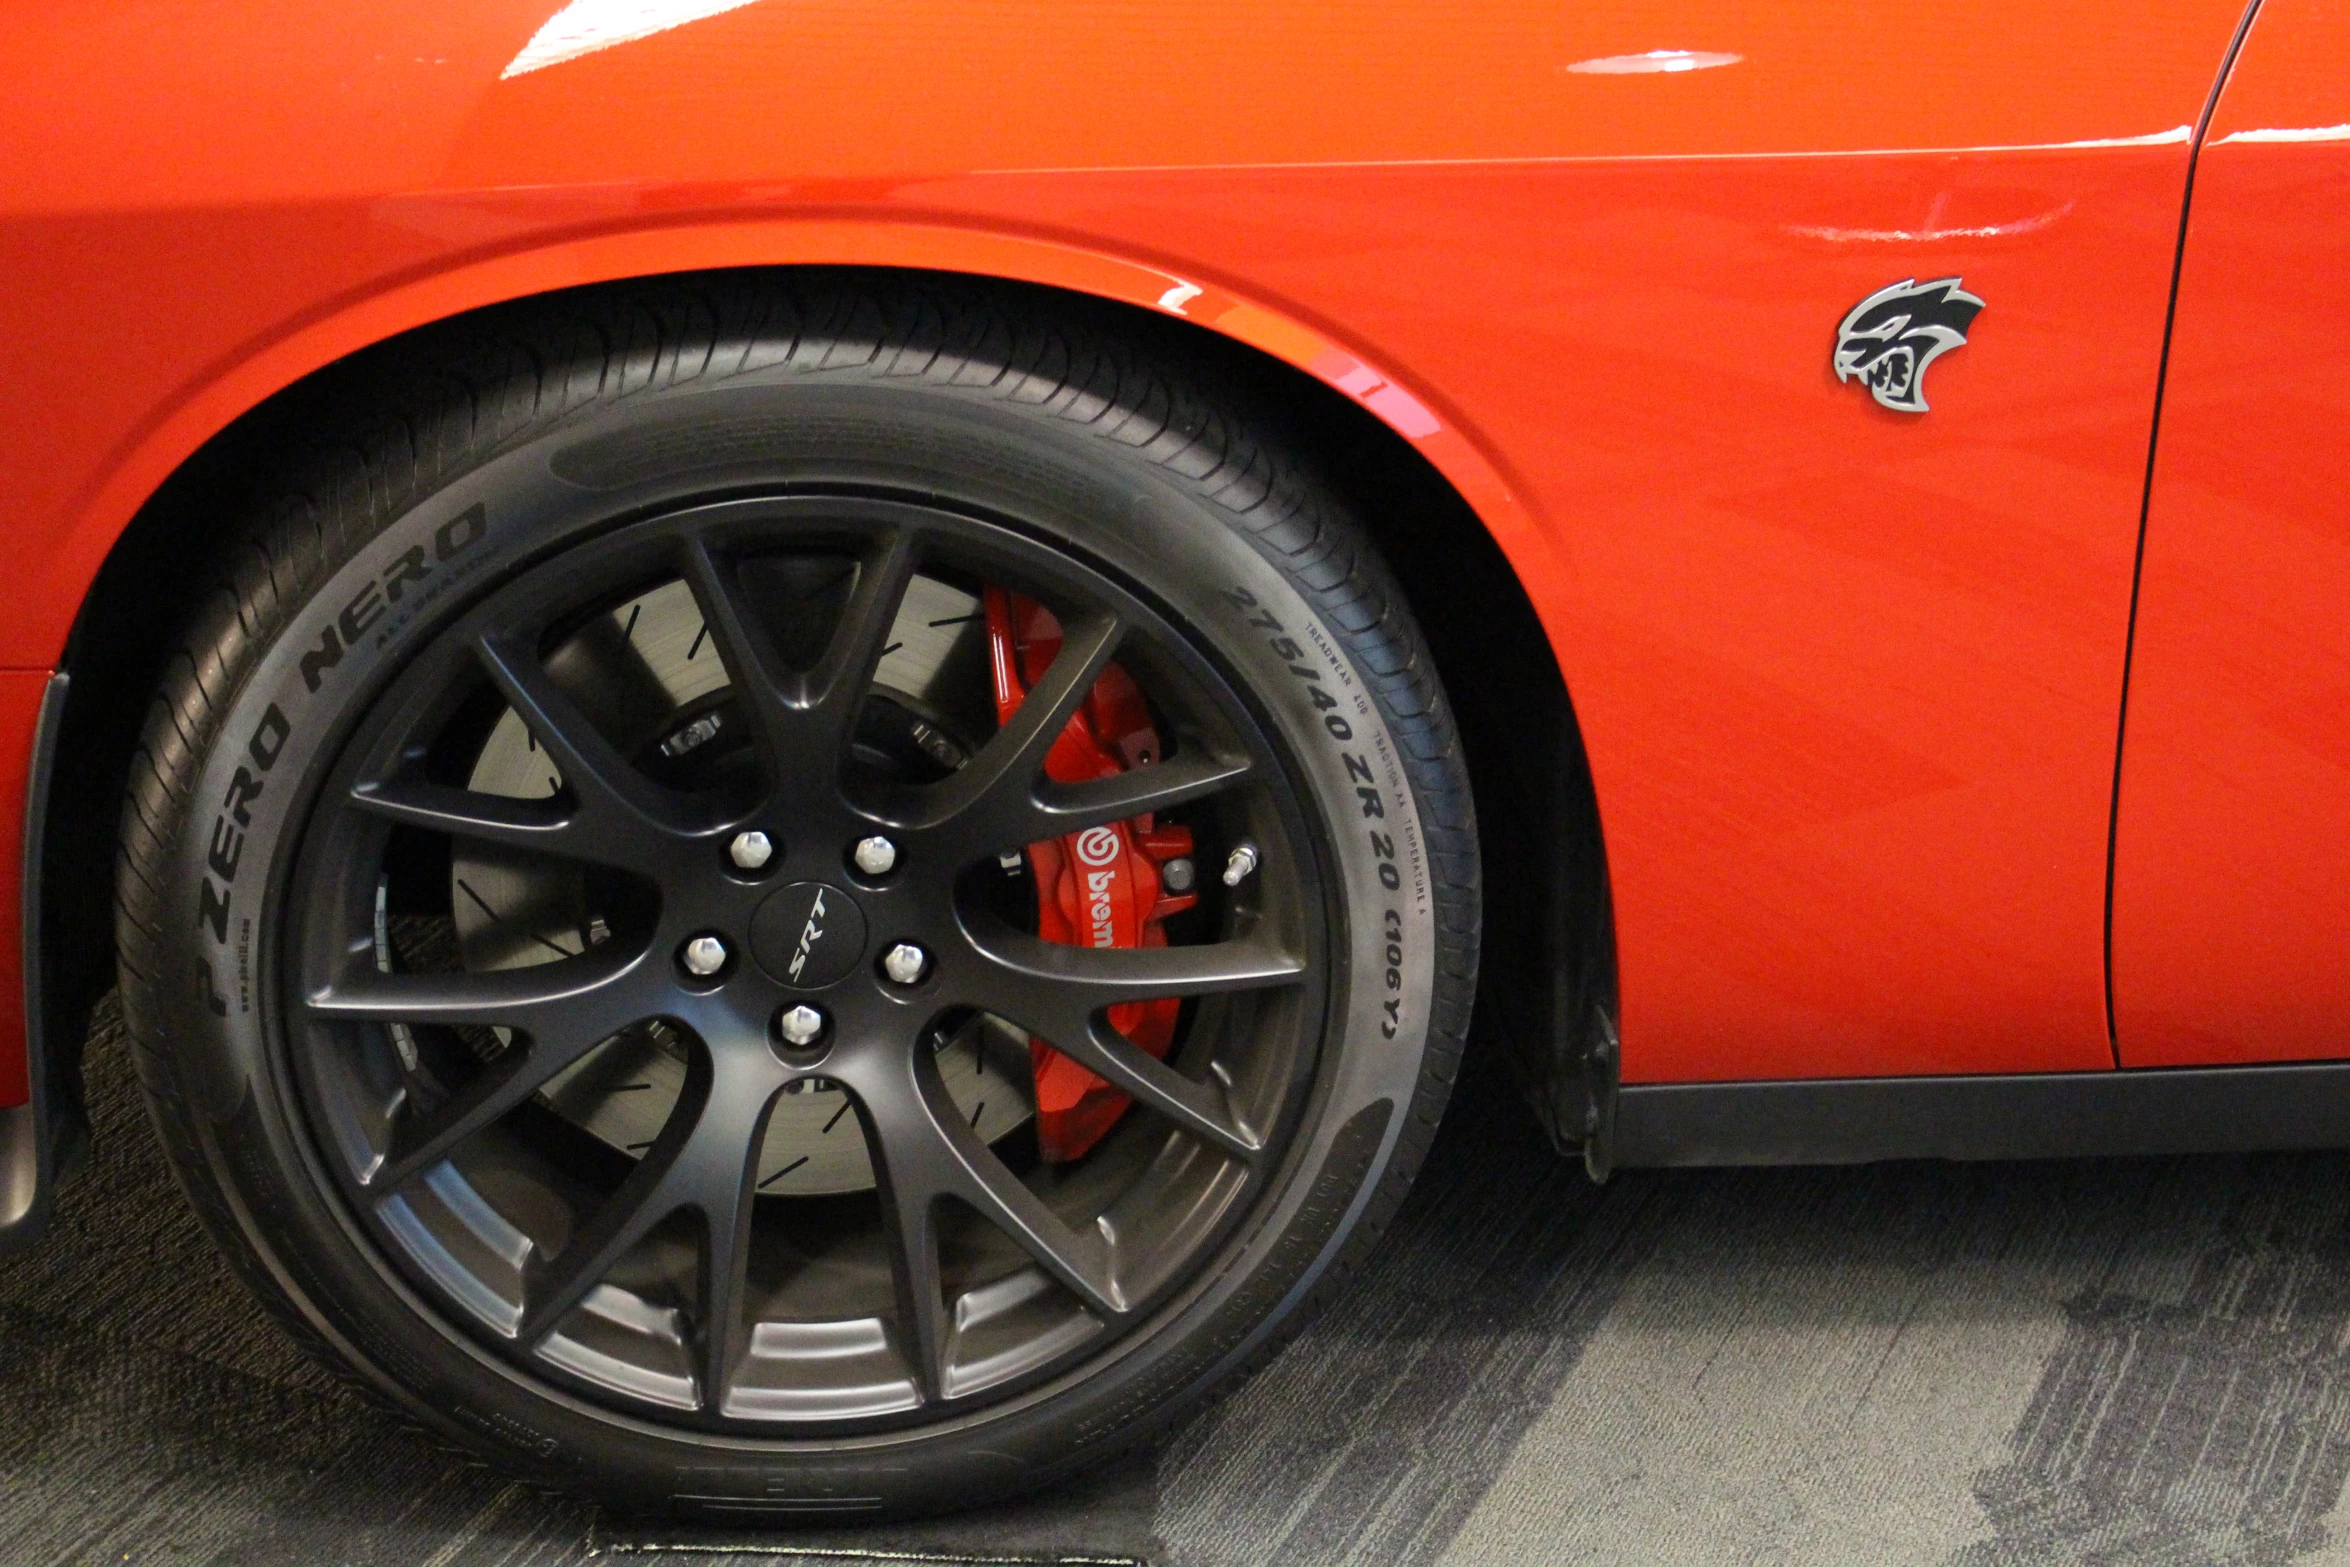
1096	888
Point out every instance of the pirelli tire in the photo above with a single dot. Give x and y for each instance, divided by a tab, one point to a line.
475	456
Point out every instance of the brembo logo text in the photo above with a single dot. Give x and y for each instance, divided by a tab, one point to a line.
1099	846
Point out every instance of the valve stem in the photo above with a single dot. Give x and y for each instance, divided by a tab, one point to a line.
1242	862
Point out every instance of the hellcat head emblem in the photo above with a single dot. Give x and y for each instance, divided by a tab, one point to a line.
1890	337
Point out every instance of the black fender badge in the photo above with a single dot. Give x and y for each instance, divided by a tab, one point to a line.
1890	337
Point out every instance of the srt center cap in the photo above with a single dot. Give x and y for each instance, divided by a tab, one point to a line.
808	935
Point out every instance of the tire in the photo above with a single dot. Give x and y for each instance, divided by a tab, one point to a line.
779	431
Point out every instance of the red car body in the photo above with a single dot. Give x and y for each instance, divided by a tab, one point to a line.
1851	683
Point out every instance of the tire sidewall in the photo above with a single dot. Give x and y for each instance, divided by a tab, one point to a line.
278	736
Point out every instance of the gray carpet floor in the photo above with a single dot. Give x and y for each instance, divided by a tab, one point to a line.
1981	1366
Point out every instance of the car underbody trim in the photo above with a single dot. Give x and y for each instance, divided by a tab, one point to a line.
2239	1109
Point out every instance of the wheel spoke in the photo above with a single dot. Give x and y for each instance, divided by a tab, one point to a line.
1039	980
617	803
584	998
704	1160
801	713
909	1215
623	1219
1057	808
1202	1109
989	803
561	1010
541	825
836	686
718	1169
1059	993
926	1153
424	1141
764	685
1079	1259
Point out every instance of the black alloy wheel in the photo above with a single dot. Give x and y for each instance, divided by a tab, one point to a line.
628	869
580	928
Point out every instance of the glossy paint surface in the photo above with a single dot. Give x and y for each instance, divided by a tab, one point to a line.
1848	677
2232	863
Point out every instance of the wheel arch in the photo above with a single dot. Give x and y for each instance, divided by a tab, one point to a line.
1444	515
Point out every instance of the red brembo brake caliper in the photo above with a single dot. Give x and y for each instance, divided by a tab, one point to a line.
1096	888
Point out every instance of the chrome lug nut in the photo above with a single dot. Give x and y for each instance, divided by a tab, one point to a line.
1238	867
800	1025
905	964
703	956
875	856
1178	876
751	851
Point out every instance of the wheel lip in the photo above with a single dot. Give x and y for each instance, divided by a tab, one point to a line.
1310	1079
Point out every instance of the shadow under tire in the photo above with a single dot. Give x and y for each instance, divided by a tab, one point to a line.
796	1179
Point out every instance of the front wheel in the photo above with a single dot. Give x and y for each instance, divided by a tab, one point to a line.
841	913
